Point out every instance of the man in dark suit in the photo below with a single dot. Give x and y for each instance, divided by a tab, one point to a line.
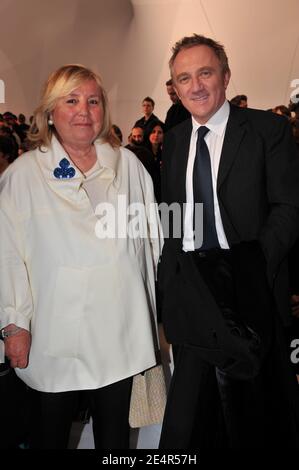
223	282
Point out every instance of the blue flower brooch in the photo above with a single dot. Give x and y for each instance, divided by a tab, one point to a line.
64	170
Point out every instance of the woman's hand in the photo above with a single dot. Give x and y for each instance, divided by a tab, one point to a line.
17	347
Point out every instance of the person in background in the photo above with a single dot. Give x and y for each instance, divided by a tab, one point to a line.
154	142
171	91
8	152
282	111
23	127
177	112
149	117
154	139
144	154
137	135
117	132
77	305
240	101
10	120
223	277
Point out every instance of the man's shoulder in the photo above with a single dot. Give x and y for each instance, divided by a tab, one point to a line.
153	117
139	122
257	116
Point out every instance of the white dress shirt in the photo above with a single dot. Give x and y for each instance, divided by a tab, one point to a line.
214	140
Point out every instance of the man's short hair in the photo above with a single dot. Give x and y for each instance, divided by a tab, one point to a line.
197	40
169	82
138	127
149	99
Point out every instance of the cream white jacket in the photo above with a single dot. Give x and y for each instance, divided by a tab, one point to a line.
89	302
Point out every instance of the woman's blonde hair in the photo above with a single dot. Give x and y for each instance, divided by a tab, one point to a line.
59	84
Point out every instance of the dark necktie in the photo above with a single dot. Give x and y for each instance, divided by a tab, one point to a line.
203	192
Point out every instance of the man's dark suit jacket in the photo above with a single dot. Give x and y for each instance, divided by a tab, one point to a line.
258	194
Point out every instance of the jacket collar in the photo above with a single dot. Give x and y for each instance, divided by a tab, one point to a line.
51	158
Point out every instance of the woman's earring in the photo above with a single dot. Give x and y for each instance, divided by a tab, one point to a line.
50	122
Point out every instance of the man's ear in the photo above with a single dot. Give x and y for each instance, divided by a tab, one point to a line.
226	79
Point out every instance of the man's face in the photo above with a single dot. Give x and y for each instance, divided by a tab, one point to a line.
172	94
147	108
200	82
137	135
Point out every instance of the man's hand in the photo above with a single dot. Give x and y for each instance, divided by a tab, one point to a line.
17	347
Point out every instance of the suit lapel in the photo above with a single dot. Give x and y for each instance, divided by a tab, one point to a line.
181	159
234	134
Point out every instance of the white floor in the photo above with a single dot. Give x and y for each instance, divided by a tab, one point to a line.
145	438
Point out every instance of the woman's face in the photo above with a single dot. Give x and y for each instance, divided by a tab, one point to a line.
156	136
78	117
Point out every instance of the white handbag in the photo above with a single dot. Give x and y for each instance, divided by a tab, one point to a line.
148	398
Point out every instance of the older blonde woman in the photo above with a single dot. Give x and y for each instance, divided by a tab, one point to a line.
76	306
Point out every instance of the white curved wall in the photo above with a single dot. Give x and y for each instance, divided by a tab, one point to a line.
129	43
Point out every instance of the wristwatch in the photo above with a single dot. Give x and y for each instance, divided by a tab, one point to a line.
8	333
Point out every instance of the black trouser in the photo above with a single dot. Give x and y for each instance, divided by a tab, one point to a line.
52	415
206	408
13	408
